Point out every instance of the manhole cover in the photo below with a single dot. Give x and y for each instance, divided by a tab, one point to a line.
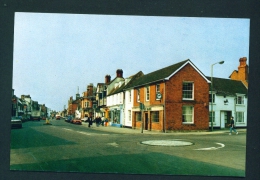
167	143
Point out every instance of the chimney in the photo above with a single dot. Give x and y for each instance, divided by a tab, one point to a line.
242	73
107	79
119	73
90	89
243	69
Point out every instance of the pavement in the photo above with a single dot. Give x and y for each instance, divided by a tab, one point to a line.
138	131
125	130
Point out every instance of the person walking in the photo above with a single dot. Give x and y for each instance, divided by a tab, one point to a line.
89	121
232	126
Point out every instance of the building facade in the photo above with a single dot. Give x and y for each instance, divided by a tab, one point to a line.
172	98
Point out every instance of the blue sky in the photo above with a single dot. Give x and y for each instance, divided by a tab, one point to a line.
54	54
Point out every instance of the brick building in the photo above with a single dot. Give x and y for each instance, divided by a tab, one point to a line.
174	98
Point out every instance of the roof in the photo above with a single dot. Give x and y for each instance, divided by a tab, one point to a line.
164	74
124	85
228	86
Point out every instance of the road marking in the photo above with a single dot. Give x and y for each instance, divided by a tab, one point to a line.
212	148
113	144
67	129
81	132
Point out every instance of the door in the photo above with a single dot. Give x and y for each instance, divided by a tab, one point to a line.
227	118
146	121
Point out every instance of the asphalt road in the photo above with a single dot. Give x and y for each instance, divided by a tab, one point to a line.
66	147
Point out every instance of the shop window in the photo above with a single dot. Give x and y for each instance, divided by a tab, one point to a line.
155	116
138	116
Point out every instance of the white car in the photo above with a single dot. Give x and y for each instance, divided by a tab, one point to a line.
84	119
16	122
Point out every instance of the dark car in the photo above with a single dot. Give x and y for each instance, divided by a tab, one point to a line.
68	119
16	122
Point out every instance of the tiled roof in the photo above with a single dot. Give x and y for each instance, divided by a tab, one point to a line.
228	86
125	86
158	75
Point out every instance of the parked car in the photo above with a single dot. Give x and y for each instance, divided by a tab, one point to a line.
16	122
22	118
68	119
85	119
76	121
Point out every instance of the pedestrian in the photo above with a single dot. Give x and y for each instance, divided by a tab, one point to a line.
232	126
106	122
102	120
89	121
96	120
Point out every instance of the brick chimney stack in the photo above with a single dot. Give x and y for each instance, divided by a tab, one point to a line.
107	79
243	69
242	73
119	73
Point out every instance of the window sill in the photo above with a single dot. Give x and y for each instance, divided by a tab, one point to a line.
186	123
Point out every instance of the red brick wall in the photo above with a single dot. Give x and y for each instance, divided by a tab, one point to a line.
174	100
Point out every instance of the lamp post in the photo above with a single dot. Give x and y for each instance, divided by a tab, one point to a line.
211	89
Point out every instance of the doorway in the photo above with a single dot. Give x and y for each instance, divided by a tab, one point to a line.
227	116
146	121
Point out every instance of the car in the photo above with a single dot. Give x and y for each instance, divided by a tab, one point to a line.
57	117
85	119
76	121
68	119
16	122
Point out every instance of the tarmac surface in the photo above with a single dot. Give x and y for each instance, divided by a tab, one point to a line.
160	142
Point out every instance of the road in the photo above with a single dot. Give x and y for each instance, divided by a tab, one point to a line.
66	147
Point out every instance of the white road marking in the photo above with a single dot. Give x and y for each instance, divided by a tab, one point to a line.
113	144
67	129
212	148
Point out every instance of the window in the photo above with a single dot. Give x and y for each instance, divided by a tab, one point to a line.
155	116
187	90
129	115
130	96
213	116
147	93
210	98
157	87
138	95
240	99
187	114
138	116
240	117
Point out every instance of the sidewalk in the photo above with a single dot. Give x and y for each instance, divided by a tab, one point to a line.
138	131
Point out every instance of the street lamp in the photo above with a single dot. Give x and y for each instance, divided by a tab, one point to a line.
211	89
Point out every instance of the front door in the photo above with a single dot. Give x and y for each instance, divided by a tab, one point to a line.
227	118
146	121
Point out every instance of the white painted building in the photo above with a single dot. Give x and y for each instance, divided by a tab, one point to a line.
120	100
229	99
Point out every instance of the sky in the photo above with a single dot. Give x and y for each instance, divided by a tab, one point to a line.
57	55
